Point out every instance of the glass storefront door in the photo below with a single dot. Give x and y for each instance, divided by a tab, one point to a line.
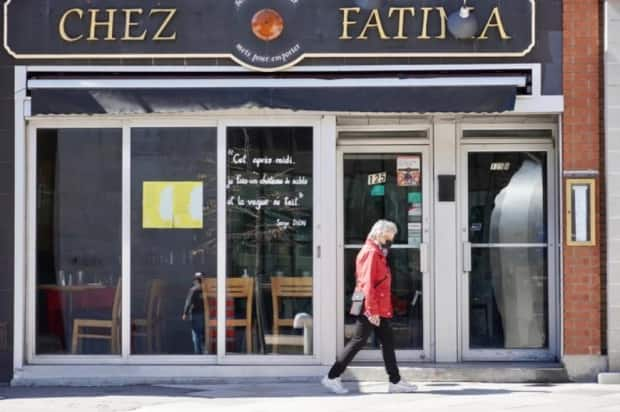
389	183
507	254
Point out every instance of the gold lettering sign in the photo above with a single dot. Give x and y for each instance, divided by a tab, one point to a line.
375	23
424	35
62	29
401	20
495	20
346	11
168	16
107	21
94	29
129	23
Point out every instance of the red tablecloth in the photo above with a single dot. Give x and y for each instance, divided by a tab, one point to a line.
57	305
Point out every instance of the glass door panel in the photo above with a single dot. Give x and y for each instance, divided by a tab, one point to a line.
387	186
507	251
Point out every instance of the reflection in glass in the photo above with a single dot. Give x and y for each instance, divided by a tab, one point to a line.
508	284
78	250
365	201
173	237
507	197
269	240
508	298
378	186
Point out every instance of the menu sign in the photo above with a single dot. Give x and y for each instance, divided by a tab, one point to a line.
265	35
408	175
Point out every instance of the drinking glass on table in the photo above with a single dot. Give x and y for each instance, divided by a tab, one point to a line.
60	280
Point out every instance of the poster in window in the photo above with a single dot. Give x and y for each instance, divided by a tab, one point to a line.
408	171
172	205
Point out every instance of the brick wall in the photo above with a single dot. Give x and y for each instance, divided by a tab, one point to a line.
582	138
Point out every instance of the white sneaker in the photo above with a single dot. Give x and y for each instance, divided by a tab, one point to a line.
334	385
401	387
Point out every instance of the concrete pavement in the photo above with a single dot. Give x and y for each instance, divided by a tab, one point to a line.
310	397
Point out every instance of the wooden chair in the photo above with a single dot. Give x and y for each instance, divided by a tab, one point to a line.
100	329
236	288
150	326
287	287
4	337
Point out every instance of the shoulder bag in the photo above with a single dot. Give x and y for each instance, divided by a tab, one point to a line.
357	300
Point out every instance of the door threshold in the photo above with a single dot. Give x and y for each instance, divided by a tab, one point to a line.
493	372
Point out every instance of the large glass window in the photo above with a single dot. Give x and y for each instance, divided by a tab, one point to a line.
78	241
173	248
269	240
173	240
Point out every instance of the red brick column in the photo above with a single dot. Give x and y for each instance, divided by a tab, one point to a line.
582	139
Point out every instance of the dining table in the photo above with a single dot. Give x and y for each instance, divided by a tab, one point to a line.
63	302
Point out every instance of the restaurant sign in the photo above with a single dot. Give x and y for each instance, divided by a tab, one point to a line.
267	35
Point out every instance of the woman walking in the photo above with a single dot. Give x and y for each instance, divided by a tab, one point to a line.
374	279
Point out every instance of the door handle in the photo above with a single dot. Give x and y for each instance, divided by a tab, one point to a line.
466	257
423	258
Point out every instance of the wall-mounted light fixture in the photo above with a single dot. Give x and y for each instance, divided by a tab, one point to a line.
462	23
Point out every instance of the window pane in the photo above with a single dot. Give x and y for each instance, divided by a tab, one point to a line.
508	298
383	186
173	237
508	197
269	240
78	249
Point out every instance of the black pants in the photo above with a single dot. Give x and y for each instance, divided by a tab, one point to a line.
363	327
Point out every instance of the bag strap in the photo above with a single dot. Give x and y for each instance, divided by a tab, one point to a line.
381	281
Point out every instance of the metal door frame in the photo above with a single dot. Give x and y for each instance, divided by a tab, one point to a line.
126	124
551	352
409	147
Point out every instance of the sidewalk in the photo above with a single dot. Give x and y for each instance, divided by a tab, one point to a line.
306	397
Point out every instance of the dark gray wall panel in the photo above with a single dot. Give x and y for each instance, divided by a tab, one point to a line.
6	209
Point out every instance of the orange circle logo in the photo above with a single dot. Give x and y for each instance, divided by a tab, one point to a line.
267	24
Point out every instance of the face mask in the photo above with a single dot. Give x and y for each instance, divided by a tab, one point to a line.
387	244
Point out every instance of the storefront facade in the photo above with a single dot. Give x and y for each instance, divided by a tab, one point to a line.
259	151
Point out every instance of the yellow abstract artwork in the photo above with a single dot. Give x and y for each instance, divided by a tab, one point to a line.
172	205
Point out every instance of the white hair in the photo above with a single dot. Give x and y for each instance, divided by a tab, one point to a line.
381	227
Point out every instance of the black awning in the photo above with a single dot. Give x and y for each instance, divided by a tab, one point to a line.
446	99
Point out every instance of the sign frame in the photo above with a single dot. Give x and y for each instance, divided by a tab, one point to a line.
588	216
292	63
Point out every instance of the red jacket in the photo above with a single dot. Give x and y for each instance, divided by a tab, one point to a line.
374	279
